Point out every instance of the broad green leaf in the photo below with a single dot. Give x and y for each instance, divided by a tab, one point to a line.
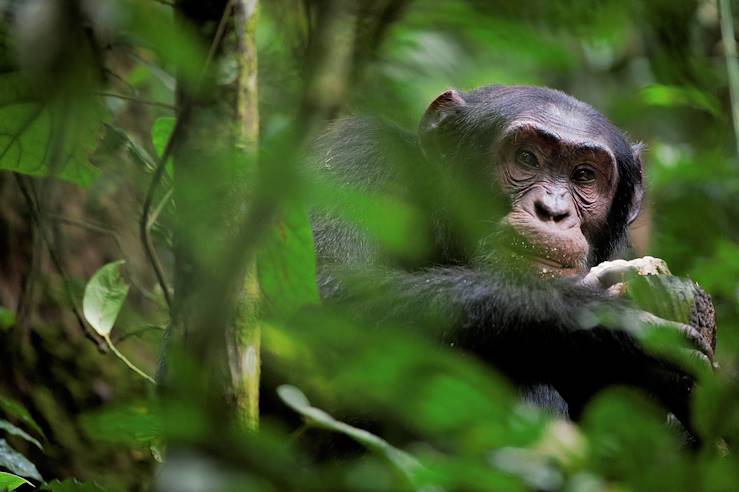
27	122
287	264
12	407
71	486
12	429
8	481
12	460
104	296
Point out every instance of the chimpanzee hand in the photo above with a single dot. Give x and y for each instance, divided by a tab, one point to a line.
642	322
612	276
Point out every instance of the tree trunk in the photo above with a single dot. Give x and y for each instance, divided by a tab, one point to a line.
214	319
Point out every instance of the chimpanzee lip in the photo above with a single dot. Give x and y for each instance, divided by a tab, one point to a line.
546	252
532	253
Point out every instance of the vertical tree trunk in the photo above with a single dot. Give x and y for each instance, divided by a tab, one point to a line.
214	160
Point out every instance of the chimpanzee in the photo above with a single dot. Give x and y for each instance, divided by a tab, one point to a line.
507	277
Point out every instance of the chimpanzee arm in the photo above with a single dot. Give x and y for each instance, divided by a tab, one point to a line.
530	329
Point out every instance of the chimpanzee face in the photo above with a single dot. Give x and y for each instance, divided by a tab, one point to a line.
572	180
561	183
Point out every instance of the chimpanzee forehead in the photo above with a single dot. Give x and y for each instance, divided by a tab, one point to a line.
563	138
566	126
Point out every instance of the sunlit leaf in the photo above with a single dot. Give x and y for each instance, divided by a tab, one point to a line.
12	460
104	296
8	481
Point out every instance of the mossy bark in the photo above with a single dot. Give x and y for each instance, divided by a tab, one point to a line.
214	169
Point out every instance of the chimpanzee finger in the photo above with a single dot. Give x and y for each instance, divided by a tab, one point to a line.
688	332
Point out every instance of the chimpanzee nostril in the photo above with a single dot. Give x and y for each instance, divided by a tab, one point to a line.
553	210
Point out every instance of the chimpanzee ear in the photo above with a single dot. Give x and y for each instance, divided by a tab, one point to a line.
440	109
638	196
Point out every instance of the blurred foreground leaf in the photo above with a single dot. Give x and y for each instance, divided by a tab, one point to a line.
674	96
27	126
404	462
133	425
665	296
287	264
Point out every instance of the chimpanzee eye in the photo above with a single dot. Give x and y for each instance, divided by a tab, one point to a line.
583	175
527	159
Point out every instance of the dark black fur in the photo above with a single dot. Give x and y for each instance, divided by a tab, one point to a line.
529	328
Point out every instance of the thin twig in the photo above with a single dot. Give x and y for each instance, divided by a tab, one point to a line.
732	64
128	362
145	222
120	79
147	102
56	261
162	203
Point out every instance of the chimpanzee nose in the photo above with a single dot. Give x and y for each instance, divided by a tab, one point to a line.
552	207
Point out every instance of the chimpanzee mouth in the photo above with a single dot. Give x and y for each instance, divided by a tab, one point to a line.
547	257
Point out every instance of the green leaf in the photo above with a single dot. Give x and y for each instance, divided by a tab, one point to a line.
71	486
404	462
26	124
13	430
665	296
673	96
7	318
287	264
16	462
161	132
104	296
132	425
12	407
8	481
